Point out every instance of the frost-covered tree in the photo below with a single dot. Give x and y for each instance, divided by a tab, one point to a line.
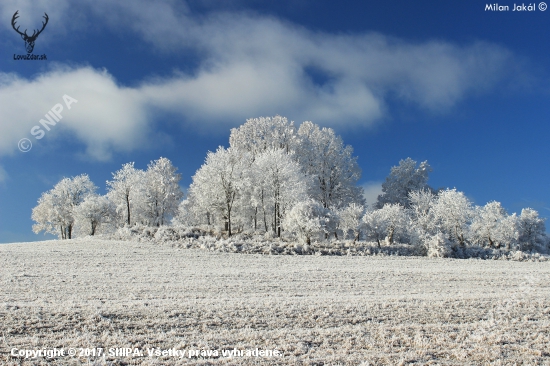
508	234
404	179
218	184
257	135
375	226
124	190
161	192
55	212
351	220
49	216
421	208
307	219
388	223
319	151
280	183
492	227
335	172
453	213
531	229
94	211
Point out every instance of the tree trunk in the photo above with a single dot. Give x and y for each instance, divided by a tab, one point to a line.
128	207
229	223
278	220
390	236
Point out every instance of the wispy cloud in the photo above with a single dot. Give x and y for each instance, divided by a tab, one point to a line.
249	66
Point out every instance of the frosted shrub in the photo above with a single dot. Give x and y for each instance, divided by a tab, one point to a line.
137	232
306	220
531	230
389	223
438	246
177	233
167	233
453	213
350	220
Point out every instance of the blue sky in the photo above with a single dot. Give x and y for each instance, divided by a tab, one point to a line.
443	81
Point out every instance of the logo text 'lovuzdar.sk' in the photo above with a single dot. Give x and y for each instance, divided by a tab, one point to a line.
29	40
30	57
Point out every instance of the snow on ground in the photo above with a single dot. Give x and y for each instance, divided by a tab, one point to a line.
315	310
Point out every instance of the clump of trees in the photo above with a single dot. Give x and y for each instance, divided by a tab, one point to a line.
149	197
269	168
279	180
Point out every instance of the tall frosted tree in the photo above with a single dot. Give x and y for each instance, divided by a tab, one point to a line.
219	183
161	193
332	166
124	190
280	183
404	179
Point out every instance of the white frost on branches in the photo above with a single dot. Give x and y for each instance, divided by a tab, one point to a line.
404	179
55	213
285	182
307	220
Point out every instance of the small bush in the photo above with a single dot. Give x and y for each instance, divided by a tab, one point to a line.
438	246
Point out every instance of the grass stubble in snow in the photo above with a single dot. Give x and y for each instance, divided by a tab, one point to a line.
316	310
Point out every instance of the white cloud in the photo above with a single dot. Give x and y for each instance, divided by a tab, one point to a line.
250	66
371	191
105	116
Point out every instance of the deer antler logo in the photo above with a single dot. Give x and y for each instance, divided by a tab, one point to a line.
29	40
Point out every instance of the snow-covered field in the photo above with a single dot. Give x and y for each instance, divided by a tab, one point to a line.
314	310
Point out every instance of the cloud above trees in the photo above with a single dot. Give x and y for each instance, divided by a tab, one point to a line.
248	66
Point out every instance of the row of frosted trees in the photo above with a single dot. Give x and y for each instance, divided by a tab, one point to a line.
282	180
147	197
276	178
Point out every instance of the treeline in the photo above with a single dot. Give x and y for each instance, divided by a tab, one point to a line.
294	182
